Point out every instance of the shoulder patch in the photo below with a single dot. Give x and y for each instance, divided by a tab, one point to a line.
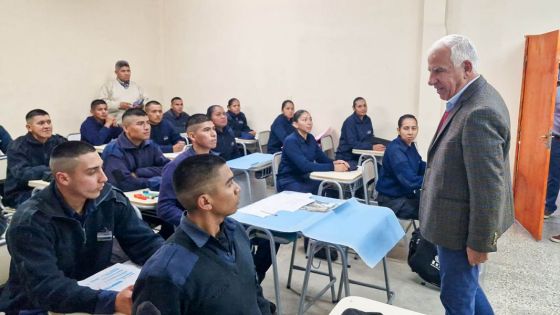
171	261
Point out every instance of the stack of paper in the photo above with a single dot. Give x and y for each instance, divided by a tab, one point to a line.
114	278
286	201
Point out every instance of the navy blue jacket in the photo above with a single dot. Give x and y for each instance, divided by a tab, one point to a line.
226	146
194	273
301	157
355	134
238	123
165	136
403	170
52	247
122	159
279	130
179	123
5	140
95	132
28	159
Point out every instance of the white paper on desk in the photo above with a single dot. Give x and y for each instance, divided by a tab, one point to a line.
286	201
114	278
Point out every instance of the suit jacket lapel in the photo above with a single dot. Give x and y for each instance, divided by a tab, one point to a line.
475	86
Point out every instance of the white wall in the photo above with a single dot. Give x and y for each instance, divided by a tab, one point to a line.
320	53
56	55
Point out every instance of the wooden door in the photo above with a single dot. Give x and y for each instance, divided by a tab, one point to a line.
536	112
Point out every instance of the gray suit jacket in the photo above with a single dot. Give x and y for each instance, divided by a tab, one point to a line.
466	196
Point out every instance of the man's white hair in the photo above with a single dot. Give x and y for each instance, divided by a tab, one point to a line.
461	49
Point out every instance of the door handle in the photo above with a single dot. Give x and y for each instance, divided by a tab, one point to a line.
547	138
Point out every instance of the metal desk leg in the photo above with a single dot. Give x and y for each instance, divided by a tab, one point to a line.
248	177
289	285
244	148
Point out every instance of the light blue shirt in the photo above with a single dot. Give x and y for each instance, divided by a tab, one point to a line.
453	101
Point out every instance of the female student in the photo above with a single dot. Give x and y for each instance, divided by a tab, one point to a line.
403	171
301	155
357	133
237	121
281	128
226	145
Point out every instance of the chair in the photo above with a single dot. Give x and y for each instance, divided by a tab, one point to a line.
369	180
327	145
262	140
275	165
75	136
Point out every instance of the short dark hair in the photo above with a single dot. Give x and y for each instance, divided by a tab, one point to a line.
194	176
231	100
133	112
35	112
121	63
150	103
406	116
359	98
176	98
211	110
63	155
286	102
94	103
298	114
197	119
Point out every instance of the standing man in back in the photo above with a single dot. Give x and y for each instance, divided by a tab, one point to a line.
121	93
466	202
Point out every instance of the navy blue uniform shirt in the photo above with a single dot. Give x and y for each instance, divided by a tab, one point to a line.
238	123
5	140
179	122
356	133
279	130
95	132
226	145
403	170
165	136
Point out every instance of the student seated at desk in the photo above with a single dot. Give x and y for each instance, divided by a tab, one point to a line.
302	155
206	265
237	121
5	140
28	157
226	145
162	132
99	128
64	234
202	133
133	161
176	116
281	128
357	133
403	172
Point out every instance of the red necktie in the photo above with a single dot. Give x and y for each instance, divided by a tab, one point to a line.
442	121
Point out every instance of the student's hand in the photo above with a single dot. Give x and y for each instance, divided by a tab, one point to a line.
341	166
179	146
378	147
125	105
475	257
253	132
110	121
123	302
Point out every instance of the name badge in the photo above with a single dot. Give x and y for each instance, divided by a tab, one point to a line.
104	236
240	122
369	132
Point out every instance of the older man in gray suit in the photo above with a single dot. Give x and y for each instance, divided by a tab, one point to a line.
466	202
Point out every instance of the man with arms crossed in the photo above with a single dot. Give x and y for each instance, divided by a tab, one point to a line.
466	202
65	233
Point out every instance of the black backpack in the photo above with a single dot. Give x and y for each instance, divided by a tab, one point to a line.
423	259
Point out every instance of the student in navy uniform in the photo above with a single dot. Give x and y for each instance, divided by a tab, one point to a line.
403	172
99	128
226	145
206	265
281	128
357	133
5	140
133	161
28	157
302	155
202	133
64	234
176	116
237	121
162	132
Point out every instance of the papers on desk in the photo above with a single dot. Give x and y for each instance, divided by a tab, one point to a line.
287	201
114	278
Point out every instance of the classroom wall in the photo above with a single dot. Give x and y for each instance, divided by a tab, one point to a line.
321	54
56	55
